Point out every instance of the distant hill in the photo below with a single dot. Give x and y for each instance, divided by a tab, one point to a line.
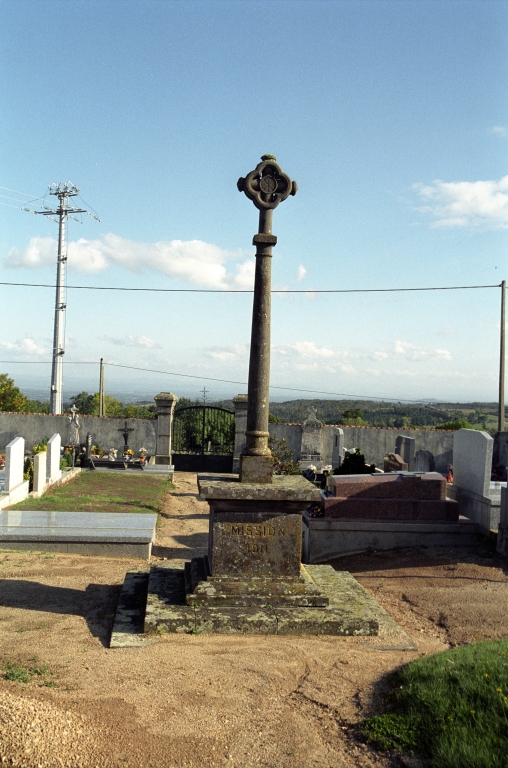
382	414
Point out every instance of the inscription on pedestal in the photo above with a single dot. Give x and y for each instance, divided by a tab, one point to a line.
266	548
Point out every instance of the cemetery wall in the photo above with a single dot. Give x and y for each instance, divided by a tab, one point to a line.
33	427
376	442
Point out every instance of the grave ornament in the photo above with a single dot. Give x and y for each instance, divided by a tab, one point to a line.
73	426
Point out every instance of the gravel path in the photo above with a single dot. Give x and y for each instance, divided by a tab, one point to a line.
208	701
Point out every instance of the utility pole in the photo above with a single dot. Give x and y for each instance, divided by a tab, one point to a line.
101	389
502	358
62	192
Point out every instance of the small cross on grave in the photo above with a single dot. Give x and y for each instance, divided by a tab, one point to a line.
125	430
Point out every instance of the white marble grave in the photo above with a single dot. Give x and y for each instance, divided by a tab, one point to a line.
53	471
472	460
40	472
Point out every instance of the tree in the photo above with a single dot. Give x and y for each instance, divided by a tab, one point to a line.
353	417
84	403
11	398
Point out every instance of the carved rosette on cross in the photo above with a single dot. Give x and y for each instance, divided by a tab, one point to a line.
267	186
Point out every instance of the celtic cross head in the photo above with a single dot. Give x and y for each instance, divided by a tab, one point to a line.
267	185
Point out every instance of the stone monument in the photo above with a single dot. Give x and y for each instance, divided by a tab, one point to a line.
252	579
310	453
73	427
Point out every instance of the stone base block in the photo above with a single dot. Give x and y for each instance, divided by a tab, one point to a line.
350	611
325	539
390	509
256	469
162	459
204	589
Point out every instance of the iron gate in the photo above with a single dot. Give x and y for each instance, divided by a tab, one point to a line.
203	439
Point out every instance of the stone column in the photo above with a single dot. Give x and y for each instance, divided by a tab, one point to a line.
240	406
267	186
165	402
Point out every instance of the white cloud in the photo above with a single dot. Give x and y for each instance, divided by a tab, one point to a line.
414	352
232	352
193	261
26	346
309	349
499	130
466	203
301	272
380	354
134	341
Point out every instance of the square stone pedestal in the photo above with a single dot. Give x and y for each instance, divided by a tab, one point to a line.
252	579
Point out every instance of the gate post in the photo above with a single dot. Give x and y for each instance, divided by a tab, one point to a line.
240	406
165	402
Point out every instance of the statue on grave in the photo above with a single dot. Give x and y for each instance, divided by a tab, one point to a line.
73	426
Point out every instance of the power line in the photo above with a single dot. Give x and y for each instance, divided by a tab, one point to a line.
249	290
211	378
17	192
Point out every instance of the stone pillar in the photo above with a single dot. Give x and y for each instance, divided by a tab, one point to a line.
310	452
53	470
405	448
267	186
40	461
165	402
14	457
337	447
240	406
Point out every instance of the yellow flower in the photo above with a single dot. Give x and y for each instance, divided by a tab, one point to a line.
485	674
472	711
499	690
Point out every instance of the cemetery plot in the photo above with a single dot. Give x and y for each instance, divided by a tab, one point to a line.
101	492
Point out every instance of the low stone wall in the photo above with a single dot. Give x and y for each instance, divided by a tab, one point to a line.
106	431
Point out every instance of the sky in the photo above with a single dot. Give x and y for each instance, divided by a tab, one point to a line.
391	116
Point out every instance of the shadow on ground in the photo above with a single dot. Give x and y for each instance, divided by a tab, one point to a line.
96	604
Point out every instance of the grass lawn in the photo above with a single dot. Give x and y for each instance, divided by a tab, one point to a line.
451	707
104	492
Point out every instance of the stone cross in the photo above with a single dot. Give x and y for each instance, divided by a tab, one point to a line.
125	430
267	186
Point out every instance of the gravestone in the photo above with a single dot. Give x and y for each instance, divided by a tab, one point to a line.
337	447
472	460
14	459
53	470
424	461
40	461
310	451
405	447
393	463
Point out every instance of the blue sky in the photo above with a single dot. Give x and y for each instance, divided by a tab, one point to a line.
391	116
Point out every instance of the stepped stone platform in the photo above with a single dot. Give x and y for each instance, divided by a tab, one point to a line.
87	533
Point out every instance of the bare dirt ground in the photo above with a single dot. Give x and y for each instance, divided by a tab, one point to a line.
202	700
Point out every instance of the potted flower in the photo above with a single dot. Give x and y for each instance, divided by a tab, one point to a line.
129	453
142	456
